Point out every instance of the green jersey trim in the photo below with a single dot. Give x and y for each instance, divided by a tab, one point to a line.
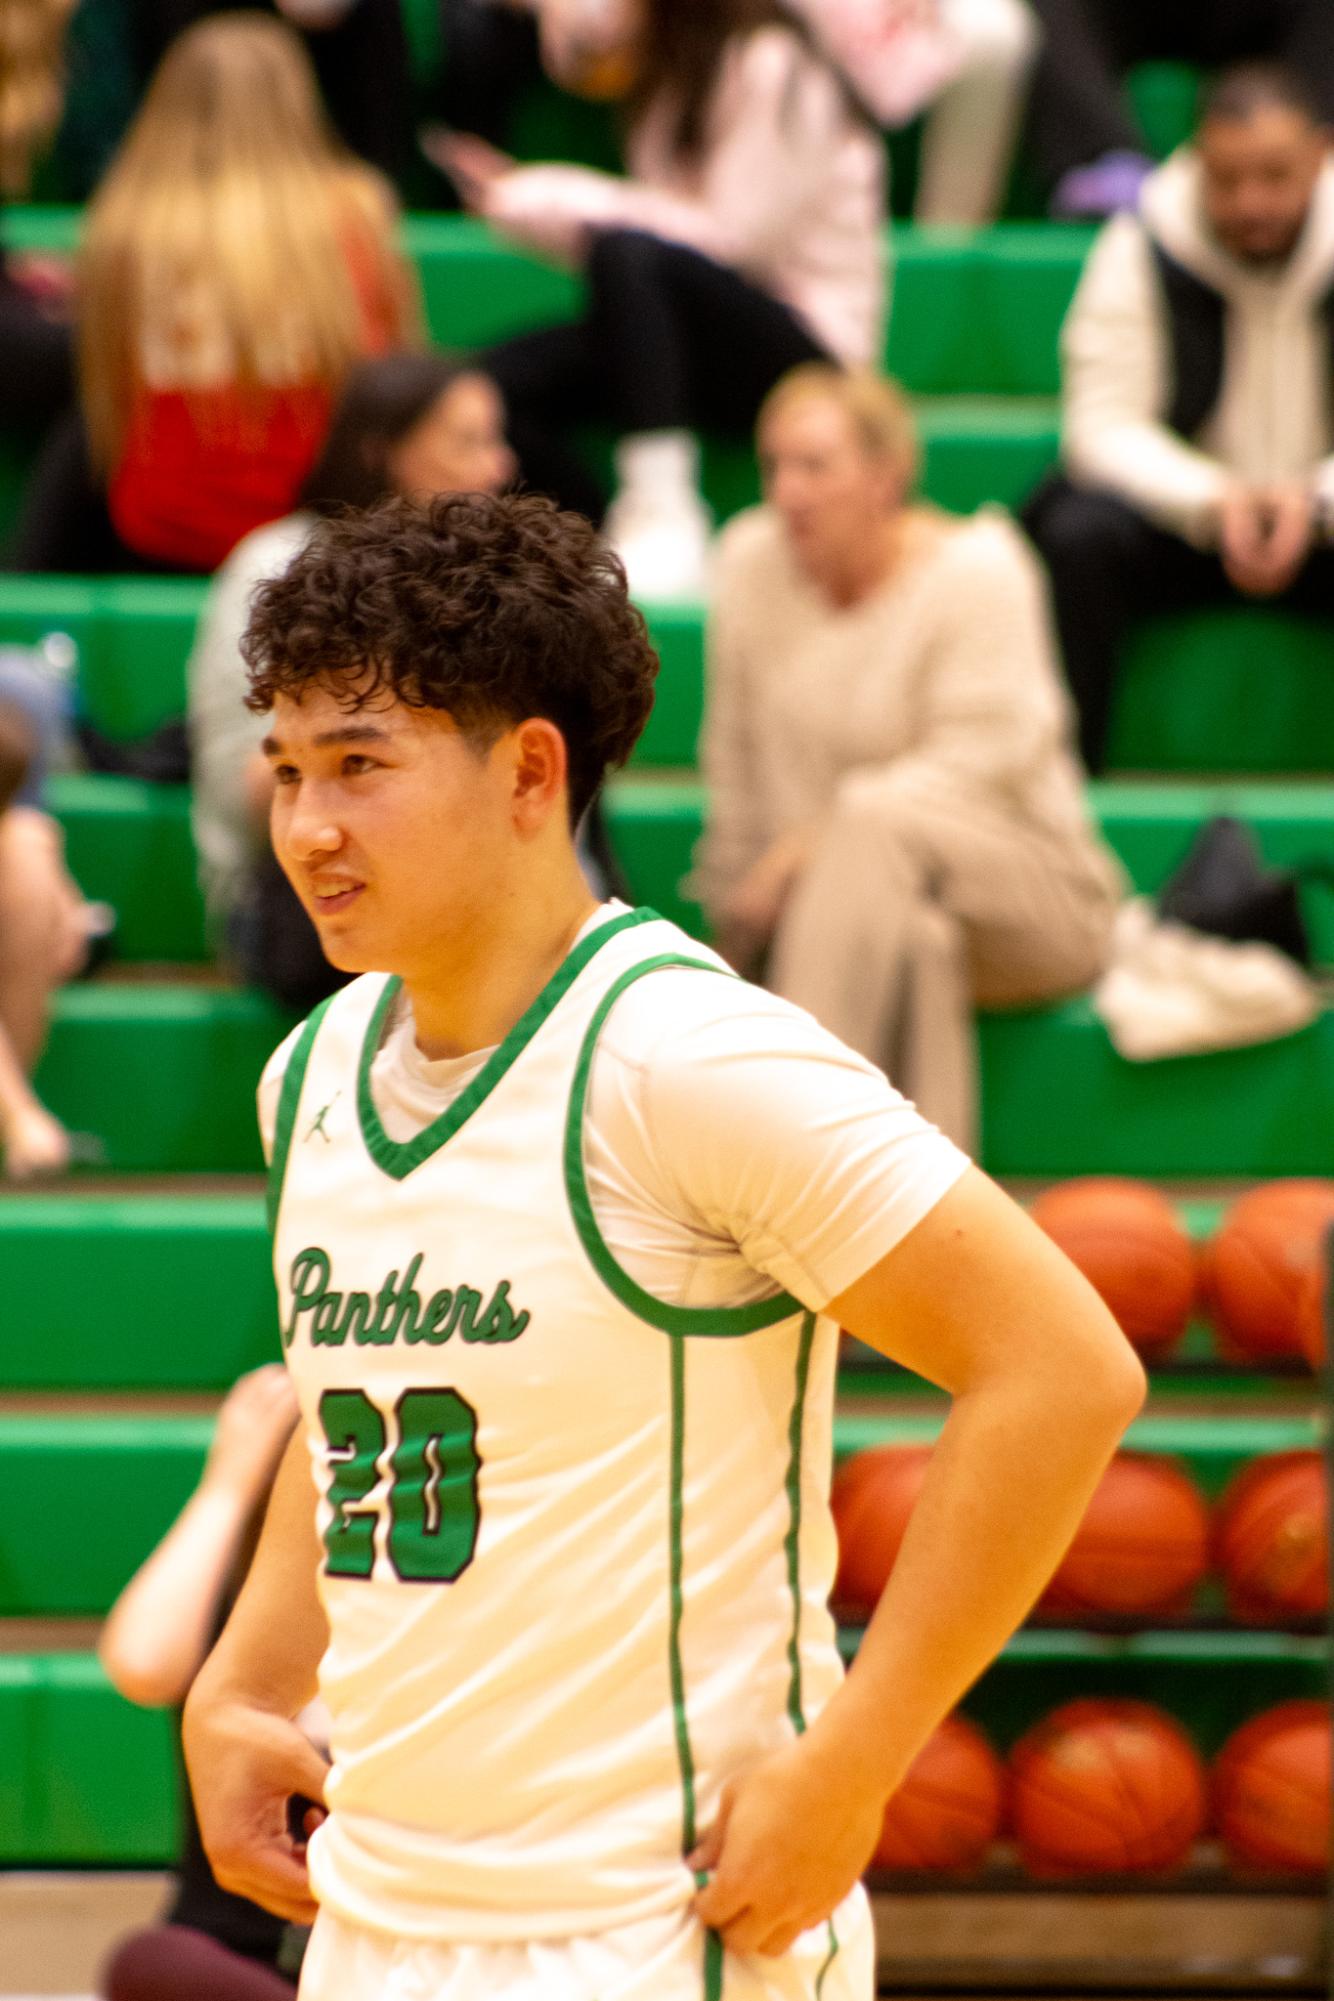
832	1956
397	1158
680	1721
717	1322
289	1097
796	1439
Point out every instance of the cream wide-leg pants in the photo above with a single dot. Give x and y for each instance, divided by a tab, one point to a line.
920	905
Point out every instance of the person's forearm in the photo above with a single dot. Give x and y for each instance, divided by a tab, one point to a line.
269	1654
160	1627
1007	1487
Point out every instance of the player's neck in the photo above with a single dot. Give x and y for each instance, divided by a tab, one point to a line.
498	966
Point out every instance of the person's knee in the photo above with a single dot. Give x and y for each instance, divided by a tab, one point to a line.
999	37
625	256
142	1968
1078	529
883	828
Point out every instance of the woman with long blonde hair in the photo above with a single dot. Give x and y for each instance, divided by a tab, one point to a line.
237	263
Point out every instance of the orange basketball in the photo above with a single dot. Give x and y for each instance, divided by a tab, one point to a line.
1260	1261
1311	1315
1272	1789
1271	1540
1127	1241
947	1812
874	1493
1105	1788
1142	1547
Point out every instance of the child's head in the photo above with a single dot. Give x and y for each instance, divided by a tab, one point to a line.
17	745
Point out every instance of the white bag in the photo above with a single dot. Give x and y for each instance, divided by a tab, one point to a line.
1171	991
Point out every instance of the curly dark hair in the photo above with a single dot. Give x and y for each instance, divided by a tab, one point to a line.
494	609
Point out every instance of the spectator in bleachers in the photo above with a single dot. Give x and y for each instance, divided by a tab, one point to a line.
413	424
897	830
359	51
748	239
44	937
1082	138
1198	418
237	263
963	64
210	1945
36	361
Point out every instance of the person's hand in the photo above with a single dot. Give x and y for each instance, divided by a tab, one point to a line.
1290	529
754	907
245	1765
792	1837
474	165
1242	540
34	1143
254	1424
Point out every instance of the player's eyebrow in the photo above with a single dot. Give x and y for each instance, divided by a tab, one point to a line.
329	739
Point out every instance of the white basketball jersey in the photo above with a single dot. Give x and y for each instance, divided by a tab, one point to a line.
577	1543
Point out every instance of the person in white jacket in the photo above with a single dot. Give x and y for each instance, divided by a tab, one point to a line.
748	239
1198	392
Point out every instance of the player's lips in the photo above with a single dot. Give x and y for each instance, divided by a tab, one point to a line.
331	897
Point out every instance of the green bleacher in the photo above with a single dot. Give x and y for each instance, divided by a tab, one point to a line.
132	1294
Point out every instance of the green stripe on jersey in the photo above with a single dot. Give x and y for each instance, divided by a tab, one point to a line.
398	1157
796	1431
719	1321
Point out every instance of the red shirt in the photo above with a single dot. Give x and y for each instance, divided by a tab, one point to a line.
200	468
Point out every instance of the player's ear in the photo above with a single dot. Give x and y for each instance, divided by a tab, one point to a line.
541	773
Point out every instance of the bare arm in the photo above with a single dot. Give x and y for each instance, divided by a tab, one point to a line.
159	1629
245	1755
1043	1383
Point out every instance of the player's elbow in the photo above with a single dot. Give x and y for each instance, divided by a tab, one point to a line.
1105	1380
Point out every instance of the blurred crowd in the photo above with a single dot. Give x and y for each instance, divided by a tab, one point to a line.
902	705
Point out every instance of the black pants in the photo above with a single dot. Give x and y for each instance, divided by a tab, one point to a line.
361	63
670	341
1110	568
1077	108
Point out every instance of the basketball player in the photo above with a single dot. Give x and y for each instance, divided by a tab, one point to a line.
566	1220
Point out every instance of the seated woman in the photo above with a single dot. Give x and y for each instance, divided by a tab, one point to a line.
897	831
210	1944
413	424
237	264
748	240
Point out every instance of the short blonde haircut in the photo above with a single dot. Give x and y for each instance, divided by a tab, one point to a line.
876	408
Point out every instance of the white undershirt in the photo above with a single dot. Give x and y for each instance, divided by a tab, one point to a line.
731	1144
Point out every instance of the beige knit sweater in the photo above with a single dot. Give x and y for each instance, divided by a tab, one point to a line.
946	675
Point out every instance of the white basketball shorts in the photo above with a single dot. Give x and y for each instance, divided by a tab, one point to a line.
659	1959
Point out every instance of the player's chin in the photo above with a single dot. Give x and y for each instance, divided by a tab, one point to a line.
347	945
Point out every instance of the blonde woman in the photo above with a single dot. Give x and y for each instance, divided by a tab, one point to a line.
35	364
237	263
897	827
